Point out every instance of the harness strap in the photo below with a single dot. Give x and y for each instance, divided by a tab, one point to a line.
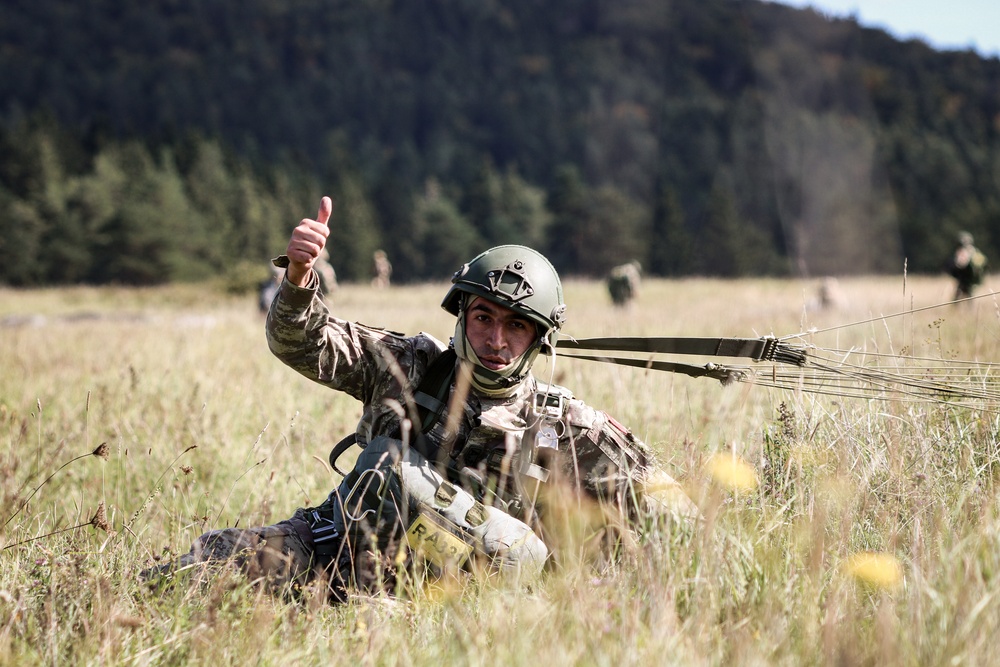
766	348
724	374
339	449
433	389
430	400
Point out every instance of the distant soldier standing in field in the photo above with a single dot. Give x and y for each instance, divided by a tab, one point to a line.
457	440
829	296
268	289
326	274
623	283
382	270
967	266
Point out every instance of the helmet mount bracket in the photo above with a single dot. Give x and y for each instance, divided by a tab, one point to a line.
521	287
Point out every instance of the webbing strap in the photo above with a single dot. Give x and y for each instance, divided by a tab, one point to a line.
428	402
434	389
724	374
429	397
758	349
346	443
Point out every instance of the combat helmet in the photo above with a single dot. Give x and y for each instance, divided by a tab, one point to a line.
516	277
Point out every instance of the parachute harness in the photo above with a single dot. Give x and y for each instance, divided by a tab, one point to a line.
793	363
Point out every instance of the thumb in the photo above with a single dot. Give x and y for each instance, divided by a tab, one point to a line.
325	209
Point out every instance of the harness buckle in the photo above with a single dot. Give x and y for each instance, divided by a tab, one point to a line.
768	350
548	405
373	473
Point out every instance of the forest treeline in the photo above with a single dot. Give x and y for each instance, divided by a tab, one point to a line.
176	140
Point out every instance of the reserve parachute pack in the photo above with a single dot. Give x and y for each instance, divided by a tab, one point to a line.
442	528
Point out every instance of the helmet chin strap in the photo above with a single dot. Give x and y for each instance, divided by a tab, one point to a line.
496	384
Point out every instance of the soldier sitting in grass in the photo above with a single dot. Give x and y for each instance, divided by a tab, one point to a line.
461	444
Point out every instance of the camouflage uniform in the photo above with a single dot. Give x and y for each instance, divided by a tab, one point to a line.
623	283
967	266
268	289
382	269
472	470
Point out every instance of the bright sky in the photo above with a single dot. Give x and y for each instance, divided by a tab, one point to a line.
944	24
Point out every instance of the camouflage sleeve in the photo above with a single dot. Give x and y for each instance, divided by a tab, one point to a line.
607	460
343	355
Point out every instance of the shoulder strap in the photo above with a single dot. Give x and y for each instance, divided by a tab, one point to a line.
339	449
432	393
430	397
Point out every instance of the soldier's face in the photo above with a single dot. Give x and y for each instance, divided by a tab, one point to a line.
497	335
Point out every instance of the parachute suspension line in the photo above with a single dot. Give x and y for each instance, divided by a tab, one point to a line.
869	382
961	378
806	367
538	416
892	393
885	376
915	384
879	318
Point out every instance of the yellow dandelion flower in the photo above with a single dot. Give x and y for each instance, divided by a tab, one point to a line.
732	472
880	570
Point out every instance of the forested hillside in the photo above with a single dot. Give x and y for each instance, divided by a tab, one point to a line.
170	140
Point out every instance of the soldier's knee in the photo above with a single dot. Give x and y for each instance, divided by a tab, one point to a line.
513	545
661	494
269	561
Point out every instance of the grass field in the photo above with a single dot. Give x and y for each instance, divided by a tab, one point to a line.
867	534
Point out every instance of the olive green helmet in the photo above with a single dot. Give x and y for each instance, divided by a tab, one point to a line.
515	277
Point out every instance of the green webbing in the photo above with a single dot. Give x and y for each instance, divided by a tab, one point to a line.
759	349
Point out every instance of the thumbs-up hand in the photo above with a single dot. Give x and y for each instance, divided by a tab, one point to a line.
306	244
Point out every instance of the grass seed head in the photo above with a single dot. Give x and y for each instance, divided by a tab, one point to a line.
100	519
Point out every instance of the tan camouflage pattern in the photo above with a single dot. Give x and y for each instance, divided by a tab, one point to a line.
594	455
375	366
277	556
597	456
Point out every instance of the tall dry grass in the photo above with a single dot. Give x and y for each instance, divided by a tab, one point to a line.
205	429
